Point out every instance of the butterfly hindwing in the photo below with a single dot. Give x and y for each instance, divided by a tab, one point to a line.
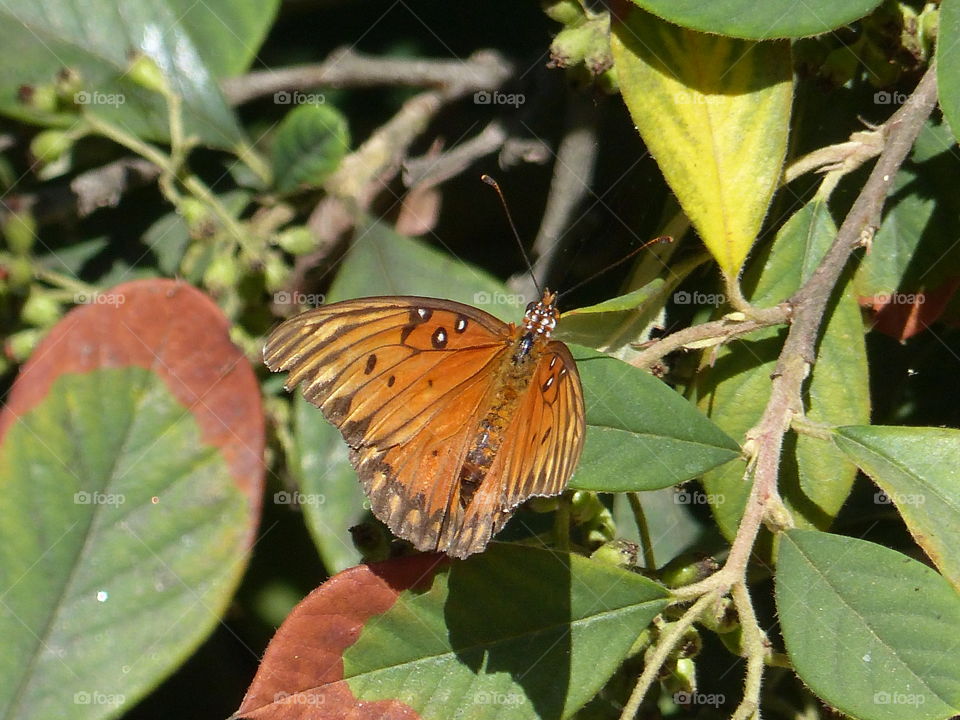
540	450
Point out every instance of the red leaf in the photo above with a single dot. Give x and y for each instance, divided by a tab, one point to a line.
903	315
176	331
302	670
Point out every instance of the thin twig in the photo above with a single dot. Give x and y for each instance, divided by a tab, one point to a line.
665	645
435	169
101	187
716	331
485	70
572	175
792	369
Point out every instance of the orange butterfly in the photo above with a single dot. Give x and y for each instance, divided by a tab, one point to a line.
453	417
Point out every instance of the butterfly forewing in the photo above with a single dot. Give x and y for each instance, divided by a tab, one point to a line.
453	419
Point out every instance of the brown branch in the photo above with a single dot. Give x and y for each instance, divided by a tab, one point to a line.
572	174
435	169
799	350
714	332
87	192
485	70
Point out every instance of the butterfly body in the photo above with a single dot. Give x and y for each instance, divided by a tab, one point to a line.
452	416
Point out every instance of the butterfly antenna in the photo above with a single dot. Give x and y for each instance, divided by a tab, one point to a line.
503	201
655	241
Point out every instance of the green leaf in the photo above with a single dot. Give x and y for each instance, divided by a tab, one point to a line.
761	21
715	113
641	434
50	35
126	496
915	249
381	262
815	478
918	470
611	326
227	34
868	630
536	630
516	632
948	60
310	142
333	500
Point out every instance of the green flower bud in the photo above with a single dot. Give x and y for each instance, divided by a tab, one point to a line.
50	145
223	272
21	345
275	273
40	310
20	230
297	240
567	12
144	71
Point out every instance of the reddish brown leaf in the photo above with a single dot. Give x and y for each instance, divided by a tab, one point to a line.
174	330
302	670
903	315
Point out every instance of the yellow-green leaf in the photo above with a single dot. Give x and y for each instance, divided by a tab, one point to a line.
714	112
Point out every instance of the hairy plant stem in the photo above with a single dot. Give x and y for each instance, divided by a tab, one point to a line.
785	406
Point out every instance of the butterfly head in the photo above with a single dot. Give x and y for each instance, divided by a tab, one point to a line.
541	316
